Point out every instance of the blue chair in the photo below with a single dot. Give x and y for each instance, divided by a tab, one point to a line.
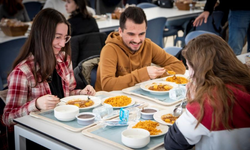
172	32
92	3
9	52
32	8
146	5
213	23
194	34
155	30
172	50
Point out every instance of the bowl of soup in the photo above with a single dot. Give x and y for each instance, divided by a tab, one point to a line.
85	118
148	112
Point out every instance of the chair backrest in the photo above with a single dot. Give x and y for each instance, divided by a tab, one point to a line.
32	8
107	6
92	3
146	5
172	50
85	72
213	23
9	51
155	30
86	45
194	34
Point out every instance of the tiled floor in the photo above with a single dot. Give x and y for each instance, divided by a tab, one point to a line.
169	42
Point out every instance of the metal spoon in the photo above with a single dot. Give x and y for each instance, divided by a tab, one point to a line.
178	110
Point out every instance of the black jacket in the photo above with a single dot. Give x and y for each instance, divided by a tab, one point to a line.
80	25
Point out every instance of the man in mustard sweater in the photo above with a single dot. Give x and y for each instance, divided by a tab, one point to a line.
126	58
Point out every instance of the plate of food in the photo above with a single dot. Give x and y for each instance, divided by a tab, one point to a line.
118	101
155	129
82	101
158	87
177	79
165	117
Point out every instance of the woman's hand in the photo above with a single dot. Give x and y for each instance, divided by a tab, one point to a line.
202	17
88	90
47	102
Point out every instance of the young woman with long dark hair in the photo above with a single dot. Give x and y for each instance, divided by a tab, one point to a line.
80	19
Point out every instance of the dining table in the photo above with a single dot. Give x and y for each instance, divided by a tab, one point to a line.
52	135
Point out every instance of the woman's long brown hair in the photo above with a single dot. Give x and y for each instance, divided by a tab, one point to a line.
82	9
39	43
215	66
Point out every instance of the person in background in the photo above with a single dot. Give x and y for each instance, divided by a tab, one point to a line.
13	9
42	73
218	99
81	21
126	58
59	5
238	19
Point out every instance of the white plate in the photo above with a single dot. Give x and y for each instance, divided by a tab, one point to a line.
96	100
157	116
148	84
163	128
132	101
178	75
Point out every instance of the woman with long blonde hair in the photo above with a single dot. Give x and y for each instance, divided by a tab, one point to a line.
218	98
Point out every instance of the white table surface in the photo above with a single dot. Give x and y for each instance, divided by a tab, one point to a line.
31	127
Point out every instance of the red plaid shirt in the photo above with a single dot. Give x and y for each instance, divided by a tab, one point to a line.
22	92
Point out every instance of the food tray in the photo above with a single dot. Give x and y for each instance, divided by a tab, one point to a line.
73	125
70	125
160	99
112	135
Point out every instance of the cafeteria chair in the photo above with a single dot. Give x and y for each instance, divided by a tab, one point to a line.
173	50
9	51
86	45
194	34
85	72
155	30
146	5
32	7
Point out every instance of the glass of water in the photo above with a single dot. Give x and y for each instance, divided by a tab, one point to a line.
178	93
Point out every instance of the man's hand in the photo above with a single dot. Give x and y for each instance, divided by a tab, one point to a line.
155	72
202	17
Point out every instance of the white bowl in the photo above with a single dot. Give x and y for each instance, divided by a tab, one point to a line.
146	85
148	113
66	112
135	138
85	118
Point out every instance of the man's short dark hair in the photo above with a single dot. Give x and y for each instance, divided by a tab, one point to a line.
136	14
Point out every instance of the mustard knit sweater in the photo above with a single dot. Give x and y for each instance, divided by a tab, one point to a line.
120	68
